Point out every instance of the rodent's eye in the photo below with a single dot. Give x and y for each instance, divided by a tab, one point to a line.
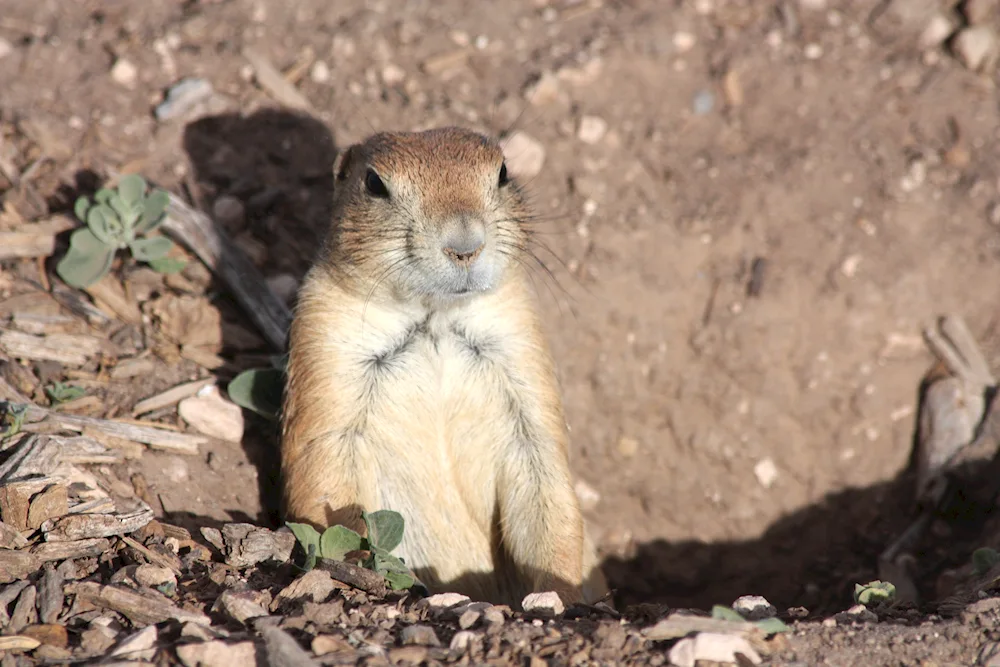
503	175
375	186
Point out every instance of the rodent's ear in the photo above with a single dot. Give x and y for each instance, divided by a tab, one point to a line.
342	165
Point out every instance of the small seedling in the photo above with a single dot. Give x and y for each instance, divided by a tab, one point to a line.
60	392
385	532
11	418
768	626
260	389
984	559
874	593
115	220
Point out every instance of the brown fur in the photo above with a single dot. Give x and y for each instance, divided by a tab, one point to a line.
424	386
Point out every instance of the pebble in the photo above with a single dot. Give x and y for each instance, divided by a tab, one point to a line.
138	646
469	618
683	41
546	603
124	73
211	414
239	606
856	614
850	265
153	576
183	98
421	635
176	470
545	90
628	446
977	48
939	28
703	103
393	75
592	129
493	617
813	51
6	48
442	601
754	607
766	473
712	647
319	72
462	640
525	155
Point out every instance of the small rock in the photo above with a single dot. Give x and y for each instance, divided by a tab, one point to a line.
849	267
462	640
545	603
592	129
230	212
124	73
319	72
152	576
49	634
813	51
587	495
754	607
138	646
176	470
683	41
939	28
217	654
6	48
524	154
209	413
766	473
627	446
442	601
703	103
712	647
314	585
213	536
393	75
857	614
493	617
422	635
469	618
977	48
240	607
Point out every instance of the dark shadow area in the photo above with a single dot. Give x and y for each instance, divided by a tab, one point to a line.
277	166
815	556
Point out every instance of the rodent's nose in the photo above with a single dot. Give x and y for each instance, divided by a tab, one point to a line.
463	246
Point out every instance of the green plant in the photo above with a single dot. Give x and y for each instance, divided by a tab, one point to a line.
260	389
984	559
115	220
874	593
768	626
59	392
385	532
11	418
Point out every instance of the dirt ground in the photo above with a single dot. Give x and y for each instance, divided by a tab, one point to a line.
750	210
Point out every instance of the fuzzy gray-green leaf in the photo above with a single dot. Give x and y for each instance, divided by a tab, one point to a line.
385	528
168	265
131	188
81	207
151	249
399	581
337	541
770	626
86	261
153	208
259	390
305	534
102	195
106	226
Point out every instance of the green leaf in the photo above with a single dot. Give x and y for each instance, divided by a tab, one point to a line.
259	390
168	265
874	592
131	188
726	613
771	626
151	249
102	195
60	392
310	558
399	581
153	208
80	208
385	528
382	562
337	541
123	210
984	559
306	535
86	261
104	223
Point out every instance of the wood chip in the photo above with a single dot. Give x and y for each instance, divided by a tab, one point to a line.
73	527
14	245
130	368
109	296
69	349
247	544
50	595
271	80
283	650
353	575
218	653
17	643
49	504
138	608
443	62
24	611
11	538
157	438
89	548
17	565
171	396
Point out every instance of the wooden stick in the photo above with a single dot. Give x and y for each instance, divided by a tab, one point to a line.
210	244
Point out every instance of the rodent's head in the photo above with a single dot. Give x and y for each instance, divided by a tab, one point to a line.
427	213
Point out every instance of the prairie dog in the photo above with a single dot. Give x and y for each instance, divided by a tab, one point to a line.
419	379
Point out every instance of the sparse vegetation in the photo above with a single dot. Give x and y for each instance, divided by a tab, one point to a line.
115	220
385	532
874	593
61	392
